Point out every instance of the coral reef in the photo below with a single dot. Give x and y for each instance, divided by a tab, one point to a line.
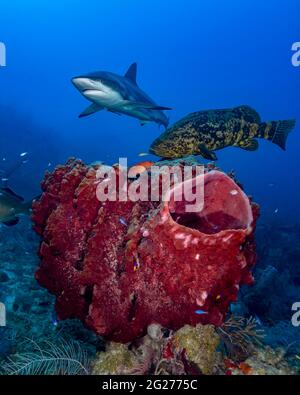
276	285
265	361
200	344
31	323
30	310
190	350
117	359
240	335
119	266
46	358
277	273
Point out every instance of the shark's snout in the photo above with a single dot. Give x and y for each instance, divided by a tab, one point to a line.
83	84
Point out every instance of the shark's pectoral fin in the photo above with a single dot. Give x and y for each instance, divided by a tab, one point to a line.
91	110
146	106
131	73
249	145
206	153
161	108
12	222
144	123
114	111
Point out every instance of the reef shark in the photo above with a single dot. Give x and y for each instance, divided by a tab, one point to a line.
120	95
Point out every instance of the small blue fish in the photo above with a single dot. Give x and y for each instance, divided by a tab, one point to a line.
123	221
54	319
258	321
200	312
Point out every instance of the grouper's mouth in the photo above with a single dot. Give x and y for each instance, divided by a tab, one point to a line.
157	150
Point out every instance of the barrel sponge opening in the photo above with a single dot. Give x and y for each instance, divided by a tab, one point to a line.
224	205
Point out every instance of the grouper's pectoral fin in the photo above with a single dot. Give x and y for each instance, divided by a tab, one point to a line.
249	145
206	153
91	110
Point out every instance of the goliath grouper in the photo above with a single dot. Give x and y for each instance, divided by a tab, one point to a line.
203	132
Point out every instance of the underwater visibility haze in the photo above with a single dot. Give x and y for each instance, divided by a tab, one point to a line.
145	287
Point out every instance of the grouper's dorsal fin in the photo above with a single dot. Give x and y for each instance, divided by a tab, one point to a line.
12	193
249	114
131	73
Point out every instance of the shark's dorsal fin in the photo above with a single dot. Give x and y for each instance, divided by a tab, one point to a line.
12	193
131	73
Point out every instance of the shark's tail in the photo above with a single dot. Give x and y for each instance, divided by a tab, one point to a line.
277	131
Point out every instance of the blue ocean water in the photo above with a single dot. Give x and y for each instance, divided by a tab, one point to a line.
192	55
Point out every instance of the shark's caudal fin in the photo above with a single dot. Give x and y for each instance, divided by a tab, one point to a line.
280	131
131	73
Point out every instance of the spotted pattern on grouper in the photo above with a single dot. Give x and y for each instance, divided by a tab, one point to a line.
203	132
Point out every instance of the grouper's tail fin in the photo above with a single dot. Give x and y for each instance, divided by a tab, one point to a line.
282	131
278	132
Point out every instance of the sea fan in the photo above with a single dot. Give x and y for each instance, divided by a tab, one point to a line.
240	335
62	358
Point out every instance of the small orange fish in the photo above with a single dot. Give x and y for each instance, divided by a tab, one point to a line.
146	163
245	368
139	168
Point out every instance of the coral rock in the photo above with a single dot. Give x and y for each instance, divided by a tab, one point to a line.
267	361
120	266
117	359
200	344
